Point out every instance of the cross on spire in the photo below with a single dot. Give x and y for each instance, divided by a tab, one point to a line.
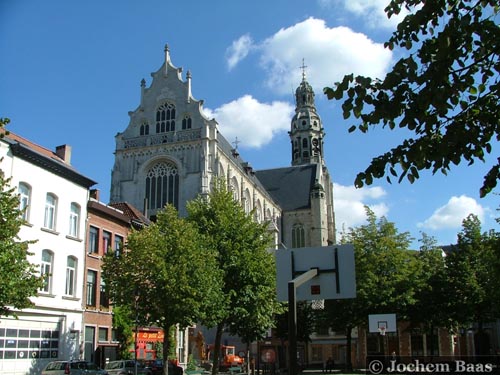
303	67
235	143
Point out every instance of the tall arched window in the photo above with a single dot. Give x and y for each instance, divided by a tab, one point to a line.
162	185
247	203
165	118
258	212
144	129
298	236
49	221
24	200
46	270
186	122
235	189
71	264
74	220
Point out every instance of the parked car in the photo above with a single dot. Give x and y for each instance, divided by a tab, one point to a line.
126	367
156	366
72	368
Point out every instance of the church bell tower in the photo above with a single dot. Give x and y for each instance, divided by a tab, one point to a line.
306	132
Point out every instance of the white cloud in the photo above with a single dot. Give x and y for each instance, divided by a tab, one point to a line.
349	204
453	213
238	50
371	11
329	53
254	123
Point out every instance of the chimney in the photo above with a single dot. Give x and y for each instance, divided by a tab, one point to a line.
94	193
64	152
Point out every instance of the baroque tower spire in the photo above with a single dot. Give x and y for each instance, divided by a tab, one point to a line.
306	133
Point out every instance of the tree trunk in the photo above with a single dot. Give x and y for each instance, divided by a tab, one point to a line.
216	348
247	359
348	359
166	347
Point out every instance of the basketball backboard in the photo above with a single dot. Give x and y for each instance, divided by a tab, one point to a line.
385	322
336	274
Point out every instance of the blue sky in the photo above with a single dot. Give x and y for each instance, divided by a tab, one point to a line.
70	72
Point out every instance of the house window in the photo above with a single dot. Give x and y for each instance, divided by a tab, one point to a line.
103	296
91	287
93	245
118	244
71	276
24	200
298	236
106	241
46	270
49	221
103	334
89	349
165	118
74	220
162	185
186	122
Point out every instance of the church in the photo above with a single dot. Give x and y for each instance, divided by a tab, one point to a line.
171	152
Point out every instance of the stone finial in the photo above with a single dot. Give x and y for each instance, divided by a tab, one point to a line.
143	83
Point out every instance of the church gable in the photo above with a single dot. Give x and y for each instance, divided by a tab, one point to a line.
167	112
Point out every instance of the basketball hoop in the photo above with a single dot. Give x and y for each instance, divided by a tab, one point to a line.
381	330
318	304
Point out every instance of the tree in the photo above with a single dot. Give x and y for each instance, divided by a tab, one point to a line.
166	274
445	90
471	271
123	323
431	308
384	277
242	247
20	279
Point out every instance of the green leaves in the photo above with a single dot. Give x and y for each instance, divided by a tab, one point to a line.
169	264
248	268
445	84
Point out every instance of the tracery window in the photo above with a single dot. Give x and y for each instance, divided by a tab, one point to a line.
233	186
165	118
162	185
144	129
247	204
186	122
298	236
258	212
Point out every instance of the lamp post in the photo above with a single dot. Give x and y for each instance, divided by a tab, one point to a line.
136	300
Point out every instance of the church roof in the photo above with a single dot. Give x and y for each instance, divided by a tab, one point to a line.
290	187
241	164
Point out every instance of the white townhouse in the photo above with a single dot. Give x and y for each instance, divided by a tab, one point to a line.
55	196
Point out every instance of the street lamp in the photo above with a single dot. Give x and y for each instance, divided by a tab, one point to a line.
136	300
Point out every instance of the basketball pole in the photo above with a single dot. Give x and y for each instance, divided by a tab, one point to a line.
292	317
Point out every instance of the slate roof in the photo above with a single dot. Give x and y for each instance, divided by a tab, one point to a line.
131	212
241	164
44	158
290	187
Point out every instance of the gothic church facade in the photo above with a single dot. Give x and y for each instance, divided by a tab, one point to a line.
171	152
